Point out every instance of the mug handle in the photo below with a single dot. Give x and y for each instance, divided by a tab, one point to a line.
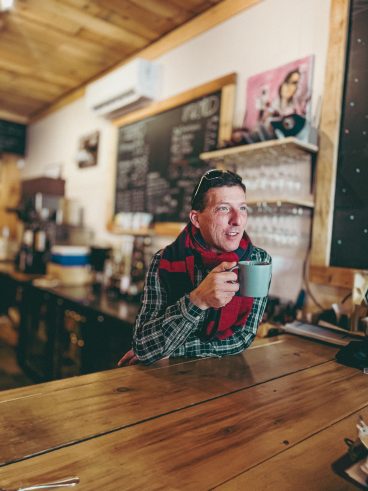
232	269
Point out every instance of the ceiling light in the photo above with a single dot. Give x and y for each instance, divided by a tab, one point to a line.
6	5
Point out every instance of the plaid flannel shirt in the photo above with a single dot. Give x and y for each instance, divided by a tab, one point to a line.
163	330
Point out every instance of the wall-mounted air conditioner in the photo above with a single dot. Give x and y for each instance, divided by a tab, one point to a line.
125	89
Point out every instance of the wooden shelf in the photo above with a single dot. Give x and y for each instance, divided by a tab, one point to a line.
267	152
171	229
130	231
288	146
304	202
332	276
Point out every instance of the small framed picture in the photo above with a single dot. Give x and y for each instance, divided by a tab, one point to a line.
88	150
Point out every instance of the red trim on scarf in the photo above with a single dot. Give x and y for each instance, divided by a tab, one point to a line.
174	266
235	313
189	260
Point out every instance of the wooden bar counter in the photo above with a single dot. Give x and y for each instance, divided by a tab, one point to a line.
252	421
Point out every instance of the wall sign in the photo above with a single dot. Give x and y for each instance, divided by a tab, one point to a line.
12	137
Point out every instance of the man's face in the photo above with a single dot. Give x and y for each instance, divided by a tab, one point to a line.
223	220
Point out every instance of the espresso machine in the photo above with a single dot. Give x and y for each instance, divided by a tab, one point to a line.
37	210
46	217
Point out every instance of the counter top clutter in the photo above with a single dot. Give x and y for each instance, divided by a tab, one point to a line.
274	417
70	264
84	295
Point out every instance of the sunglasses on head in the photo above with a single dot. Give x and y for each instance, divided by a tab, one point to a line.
214	174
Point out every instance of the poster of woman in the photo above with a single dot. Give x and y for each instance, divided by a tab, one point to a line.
279	92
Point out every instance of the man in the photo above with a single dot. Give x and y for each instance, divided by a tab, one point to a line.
190	303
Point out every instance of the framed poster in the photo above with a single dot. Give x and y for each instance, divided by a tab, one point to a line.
279	92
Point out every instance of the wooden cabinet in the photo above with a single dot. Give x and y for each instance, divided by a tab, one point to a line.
37	334
88	341
60	337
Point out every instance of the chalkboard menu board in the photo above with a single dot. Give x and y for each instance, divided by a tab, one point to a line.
12	137
349	246
158	158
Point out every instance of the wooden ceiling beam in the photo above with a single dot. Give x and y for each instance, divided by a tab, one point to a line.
56	21
141	15
44	39
30	86
124	14
63	75
106	44
165	9
69	76
8	63
19	100
12	116
195	6
31	82
93	62
90	22
18	106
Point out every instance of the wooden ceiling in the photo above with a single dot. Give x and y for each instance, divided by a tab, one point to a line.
50	47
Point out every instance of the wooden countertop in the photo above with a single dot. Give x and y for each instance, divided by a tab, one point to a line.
242	422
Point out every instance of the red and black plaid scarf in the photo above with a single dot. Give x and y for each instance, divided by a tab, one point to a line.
176	270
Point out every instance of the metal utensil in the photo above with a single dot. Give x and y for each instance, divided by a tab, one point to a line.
63	483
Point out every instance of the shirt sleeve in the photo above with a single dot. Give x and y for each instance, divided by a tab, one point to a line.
238	342
160	329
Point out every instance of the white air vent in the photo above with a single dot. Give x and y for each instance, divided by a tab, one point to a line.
125	89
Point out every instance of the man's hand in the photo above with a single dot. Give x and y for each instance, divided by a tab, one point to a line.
217	289
128	359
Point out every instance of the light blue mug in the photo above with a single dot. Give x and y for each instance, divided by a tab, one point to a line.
254	278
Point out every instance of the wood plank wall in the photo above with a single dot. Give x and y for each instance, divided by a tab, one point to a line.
9	192
328	149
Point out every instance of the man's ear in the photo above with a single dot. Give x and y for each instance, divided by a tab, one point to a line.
193	216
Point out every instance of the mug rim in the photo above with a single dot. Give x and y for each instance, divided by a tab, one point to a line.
255	263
